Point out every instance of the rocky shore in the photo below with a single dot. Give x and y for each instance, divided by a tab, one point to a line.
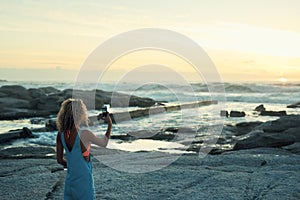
249	160
261	173
263	163
283	133
17	102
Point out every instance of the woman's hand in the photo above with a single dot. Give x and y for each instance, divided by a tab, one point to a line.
107	118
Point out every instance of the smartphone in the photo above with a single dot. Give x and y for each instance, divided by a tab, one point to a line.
104	109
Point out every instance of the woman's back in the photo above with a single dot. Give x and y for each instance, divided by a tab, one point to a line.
79	181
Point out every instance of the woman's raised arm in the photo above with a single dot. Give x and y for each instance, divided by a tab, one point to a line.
91	137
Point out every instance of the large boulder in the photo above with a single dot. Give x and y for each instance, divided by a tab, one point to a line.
12	102
15	91
15	134
294	105
294	148
294	132
2	95
261	139
273	113
237	114
116	99
260	108
36	93
282	124
51	125
224	113
17	102
137	101
244	127
49	103
49	90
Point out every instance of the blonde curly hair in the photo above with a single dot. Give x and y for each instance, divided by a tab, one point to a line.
72	112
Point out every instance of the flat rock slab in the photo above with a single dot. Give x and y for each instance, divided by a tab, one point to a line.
28	178
261	139
27	152
263	173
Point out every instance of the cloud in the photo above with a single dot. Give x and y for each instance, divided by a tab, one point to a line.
81	18
248	38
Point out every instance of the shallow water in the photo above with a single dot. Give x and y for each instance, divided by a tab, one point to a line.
240	97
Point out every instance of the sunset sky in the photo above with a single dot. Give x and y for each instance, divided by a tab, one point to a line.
247	40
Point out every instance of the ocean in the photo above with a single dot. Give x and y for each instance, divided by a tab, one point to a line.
239	97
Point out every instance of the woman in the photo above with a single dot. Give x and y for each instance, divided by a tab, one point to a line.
76	142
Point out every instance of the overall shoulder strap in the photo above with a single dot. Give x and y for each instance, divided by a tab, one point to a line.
63	140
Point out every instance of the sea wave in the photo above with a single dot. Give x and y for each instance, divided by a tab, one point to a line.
236	88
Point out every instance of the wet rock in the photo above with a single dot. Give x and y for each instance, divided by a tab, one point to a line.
237	114
153	135
13	114
2	95
124	137
245	127
51	125
135	101
50	104
37	120
224	113
260	108
294	148
122	100
261	139
222	141
294	132
11	102
171	129
15	91
46	101
193	147
263	163
36	93
27	152
15	134
273	113
163	136
49	90
276	133
295	105
282	124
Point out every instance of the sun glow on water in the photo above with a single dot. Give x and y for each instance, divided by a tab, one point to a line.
282	80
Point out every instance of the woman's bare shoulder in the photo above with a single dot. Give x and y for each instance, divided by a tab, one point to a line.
86	133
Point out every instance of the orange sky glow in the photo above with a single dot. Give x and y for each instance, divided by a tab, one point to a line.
247	40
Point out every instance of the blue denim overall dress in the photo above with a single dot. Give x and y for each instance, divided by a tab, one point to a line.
79	182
